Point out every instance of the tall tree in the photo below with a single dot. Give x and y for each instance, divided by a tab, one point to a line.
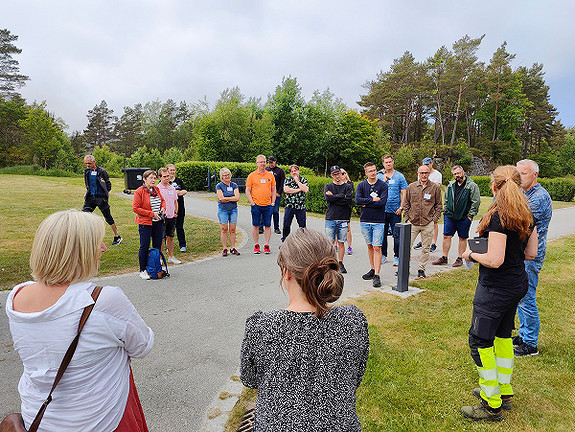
10	76
100	129
129	131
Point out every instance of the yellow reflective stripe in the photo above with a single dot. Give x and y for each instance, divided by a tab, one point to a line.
488	374
504	362
504	378
489	391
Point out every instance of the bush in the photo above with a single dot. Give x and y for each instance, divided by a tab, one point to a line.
194	173
560	189
38	170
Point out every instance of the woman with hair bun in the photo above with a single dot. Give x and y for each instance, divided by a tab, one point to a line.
508	226
307	360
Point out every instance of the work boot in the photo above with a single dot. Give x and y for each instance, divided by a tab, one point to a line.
458	262
440	261
505	400
482	412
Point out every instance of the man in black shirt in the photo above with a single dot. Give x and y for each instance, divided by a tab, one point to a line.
178	184
339	195
280	177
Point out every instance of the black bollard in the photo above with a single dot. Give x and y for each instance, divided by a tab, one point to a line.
404	256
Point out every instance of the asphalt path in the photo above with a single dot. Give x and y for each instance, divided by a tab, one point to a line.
198	317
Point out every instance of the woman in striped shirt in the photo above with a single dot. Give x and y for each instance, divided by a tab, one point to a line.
149	207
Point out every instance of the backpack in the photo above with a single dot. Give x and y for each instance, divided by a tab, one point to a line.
154	267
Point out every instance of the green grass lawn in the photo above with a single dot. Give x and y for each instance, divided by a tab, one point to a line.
420	373
37	197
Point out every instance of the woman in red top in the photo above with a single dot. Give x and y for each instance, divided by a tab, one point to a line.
149	207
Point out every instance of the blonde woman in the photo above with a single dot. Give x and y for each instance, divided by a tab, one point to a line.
508	226
345	178
97	392
228	195
307	360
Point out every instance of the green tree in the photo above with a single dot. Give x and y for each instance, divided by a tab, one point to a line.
129	131
100	129
12	112
10	76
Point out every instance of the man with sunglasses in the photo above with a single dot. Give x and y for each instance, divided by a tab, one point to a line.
422	210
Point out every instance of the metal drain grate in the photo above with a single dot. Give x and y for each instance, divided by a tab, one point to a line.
247	424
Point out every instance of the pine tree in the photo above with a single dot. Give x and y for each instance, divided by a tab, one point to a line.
10	76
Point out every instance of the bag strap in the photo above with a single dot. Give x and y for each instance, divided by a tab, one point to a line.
164	259
66	360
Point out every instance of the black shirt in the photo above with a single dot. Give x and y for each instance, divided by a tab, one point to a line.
339	203
179	185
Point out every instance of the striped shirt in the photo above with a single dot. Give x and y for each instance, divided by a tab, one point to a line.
156	203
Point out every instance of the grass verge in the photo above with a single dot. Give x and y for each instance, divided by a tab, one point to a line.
420	372
40	196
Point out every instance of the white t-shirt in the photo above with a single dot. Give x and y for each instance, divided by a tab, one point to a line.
92	394
436	177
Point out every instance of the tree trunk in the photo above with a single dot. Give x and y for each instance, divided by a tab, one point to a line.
457	112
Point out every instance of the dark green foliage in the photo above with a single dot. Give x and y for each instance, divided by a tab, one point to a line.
10	76
38	170
484	183
560	189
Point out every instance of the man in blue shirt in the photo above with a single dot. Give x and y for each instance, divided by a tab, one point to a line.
396	186
541	207
98	186
371	195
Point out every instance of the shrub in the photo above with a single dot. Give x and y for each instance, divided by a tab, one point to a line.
484	185
560	189
38	170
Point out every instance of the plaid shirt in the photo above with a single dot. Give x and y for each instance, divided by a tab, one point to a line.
542	209
294	200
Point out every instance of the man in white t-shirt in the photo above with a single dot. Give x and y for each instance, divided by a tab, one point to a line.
436	177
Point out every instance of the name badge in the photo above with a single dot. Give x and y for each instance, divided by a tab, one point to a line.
373	194
427	196
230	189
170	192
391	181
93	173
262	180
344	224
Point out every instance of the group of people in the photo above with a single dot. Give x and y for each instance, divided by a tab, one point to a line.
307	360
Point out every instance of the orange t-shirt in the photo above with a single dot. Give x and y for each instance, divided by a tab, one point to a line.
261	187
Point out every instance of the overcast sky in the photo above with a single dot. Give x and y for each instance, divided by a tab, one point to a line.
80	52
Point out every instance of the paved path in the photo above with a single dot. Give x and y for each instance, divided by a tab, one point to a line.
198	317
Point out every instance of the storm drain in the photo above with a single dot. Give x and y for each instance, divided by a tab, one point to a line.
247	424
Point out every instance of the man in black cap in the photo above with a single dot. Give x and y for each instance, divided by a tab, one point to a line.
280	177
339	196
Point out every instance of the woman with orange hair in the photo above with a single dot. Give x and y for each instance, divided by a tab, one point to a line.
508	226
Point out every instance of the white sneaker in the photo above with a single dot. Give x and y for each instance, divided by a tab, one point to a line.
144	275
174	260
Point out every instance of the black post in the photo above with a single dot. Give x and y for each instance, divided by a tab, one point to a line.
404	256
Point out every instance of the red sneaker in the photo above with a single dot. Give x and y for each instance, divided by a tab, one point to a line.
267	249
257	249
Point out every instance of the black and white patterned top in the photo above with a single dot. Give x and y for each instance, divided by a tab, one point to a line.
294	200
306	370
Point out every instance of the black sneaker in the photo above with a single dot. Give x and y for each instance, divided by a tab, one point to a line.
433	247
342	268
421	274
417	246
376	281
277	231
525	350
261	230
369	275
117	240
517	340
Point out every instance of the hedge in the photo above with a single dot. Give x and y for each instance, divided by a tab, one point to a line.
560	189
194	174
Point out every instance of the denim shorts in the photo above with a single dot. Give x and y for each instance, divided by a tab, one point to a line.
372	233
228	216
462	227
337	228
262	215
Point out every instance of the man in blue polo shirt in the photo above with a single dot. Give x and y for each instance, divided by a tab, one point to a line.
396	186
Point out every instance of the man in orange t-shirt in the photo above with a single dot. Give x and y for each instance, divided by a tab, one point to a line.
261	193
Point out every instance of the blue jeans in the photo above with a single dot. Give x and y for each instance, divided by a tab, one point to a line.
389	221
336	230
527	308
275	213
147	232
289	213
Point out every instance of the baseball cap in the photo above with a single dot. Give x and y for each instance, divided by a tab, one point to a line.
271	159
426	161
334	169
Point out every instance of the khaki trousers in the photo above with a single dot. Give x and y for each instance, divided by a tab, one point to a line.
426	239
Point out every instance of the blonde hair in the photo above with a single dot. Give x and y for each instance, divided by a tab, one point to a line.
510	202
310	258
66	246
163	170
344	175
223	171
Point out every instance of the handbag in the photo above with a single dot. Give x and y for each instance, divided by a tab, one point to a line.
14	422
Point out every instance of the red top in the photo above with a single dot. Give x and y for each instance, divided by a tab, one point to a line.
142	207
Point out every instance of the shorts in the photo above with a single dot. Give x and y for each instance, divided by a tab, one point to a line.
372	233
170	227
336	229
262	215
228	216
462	227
